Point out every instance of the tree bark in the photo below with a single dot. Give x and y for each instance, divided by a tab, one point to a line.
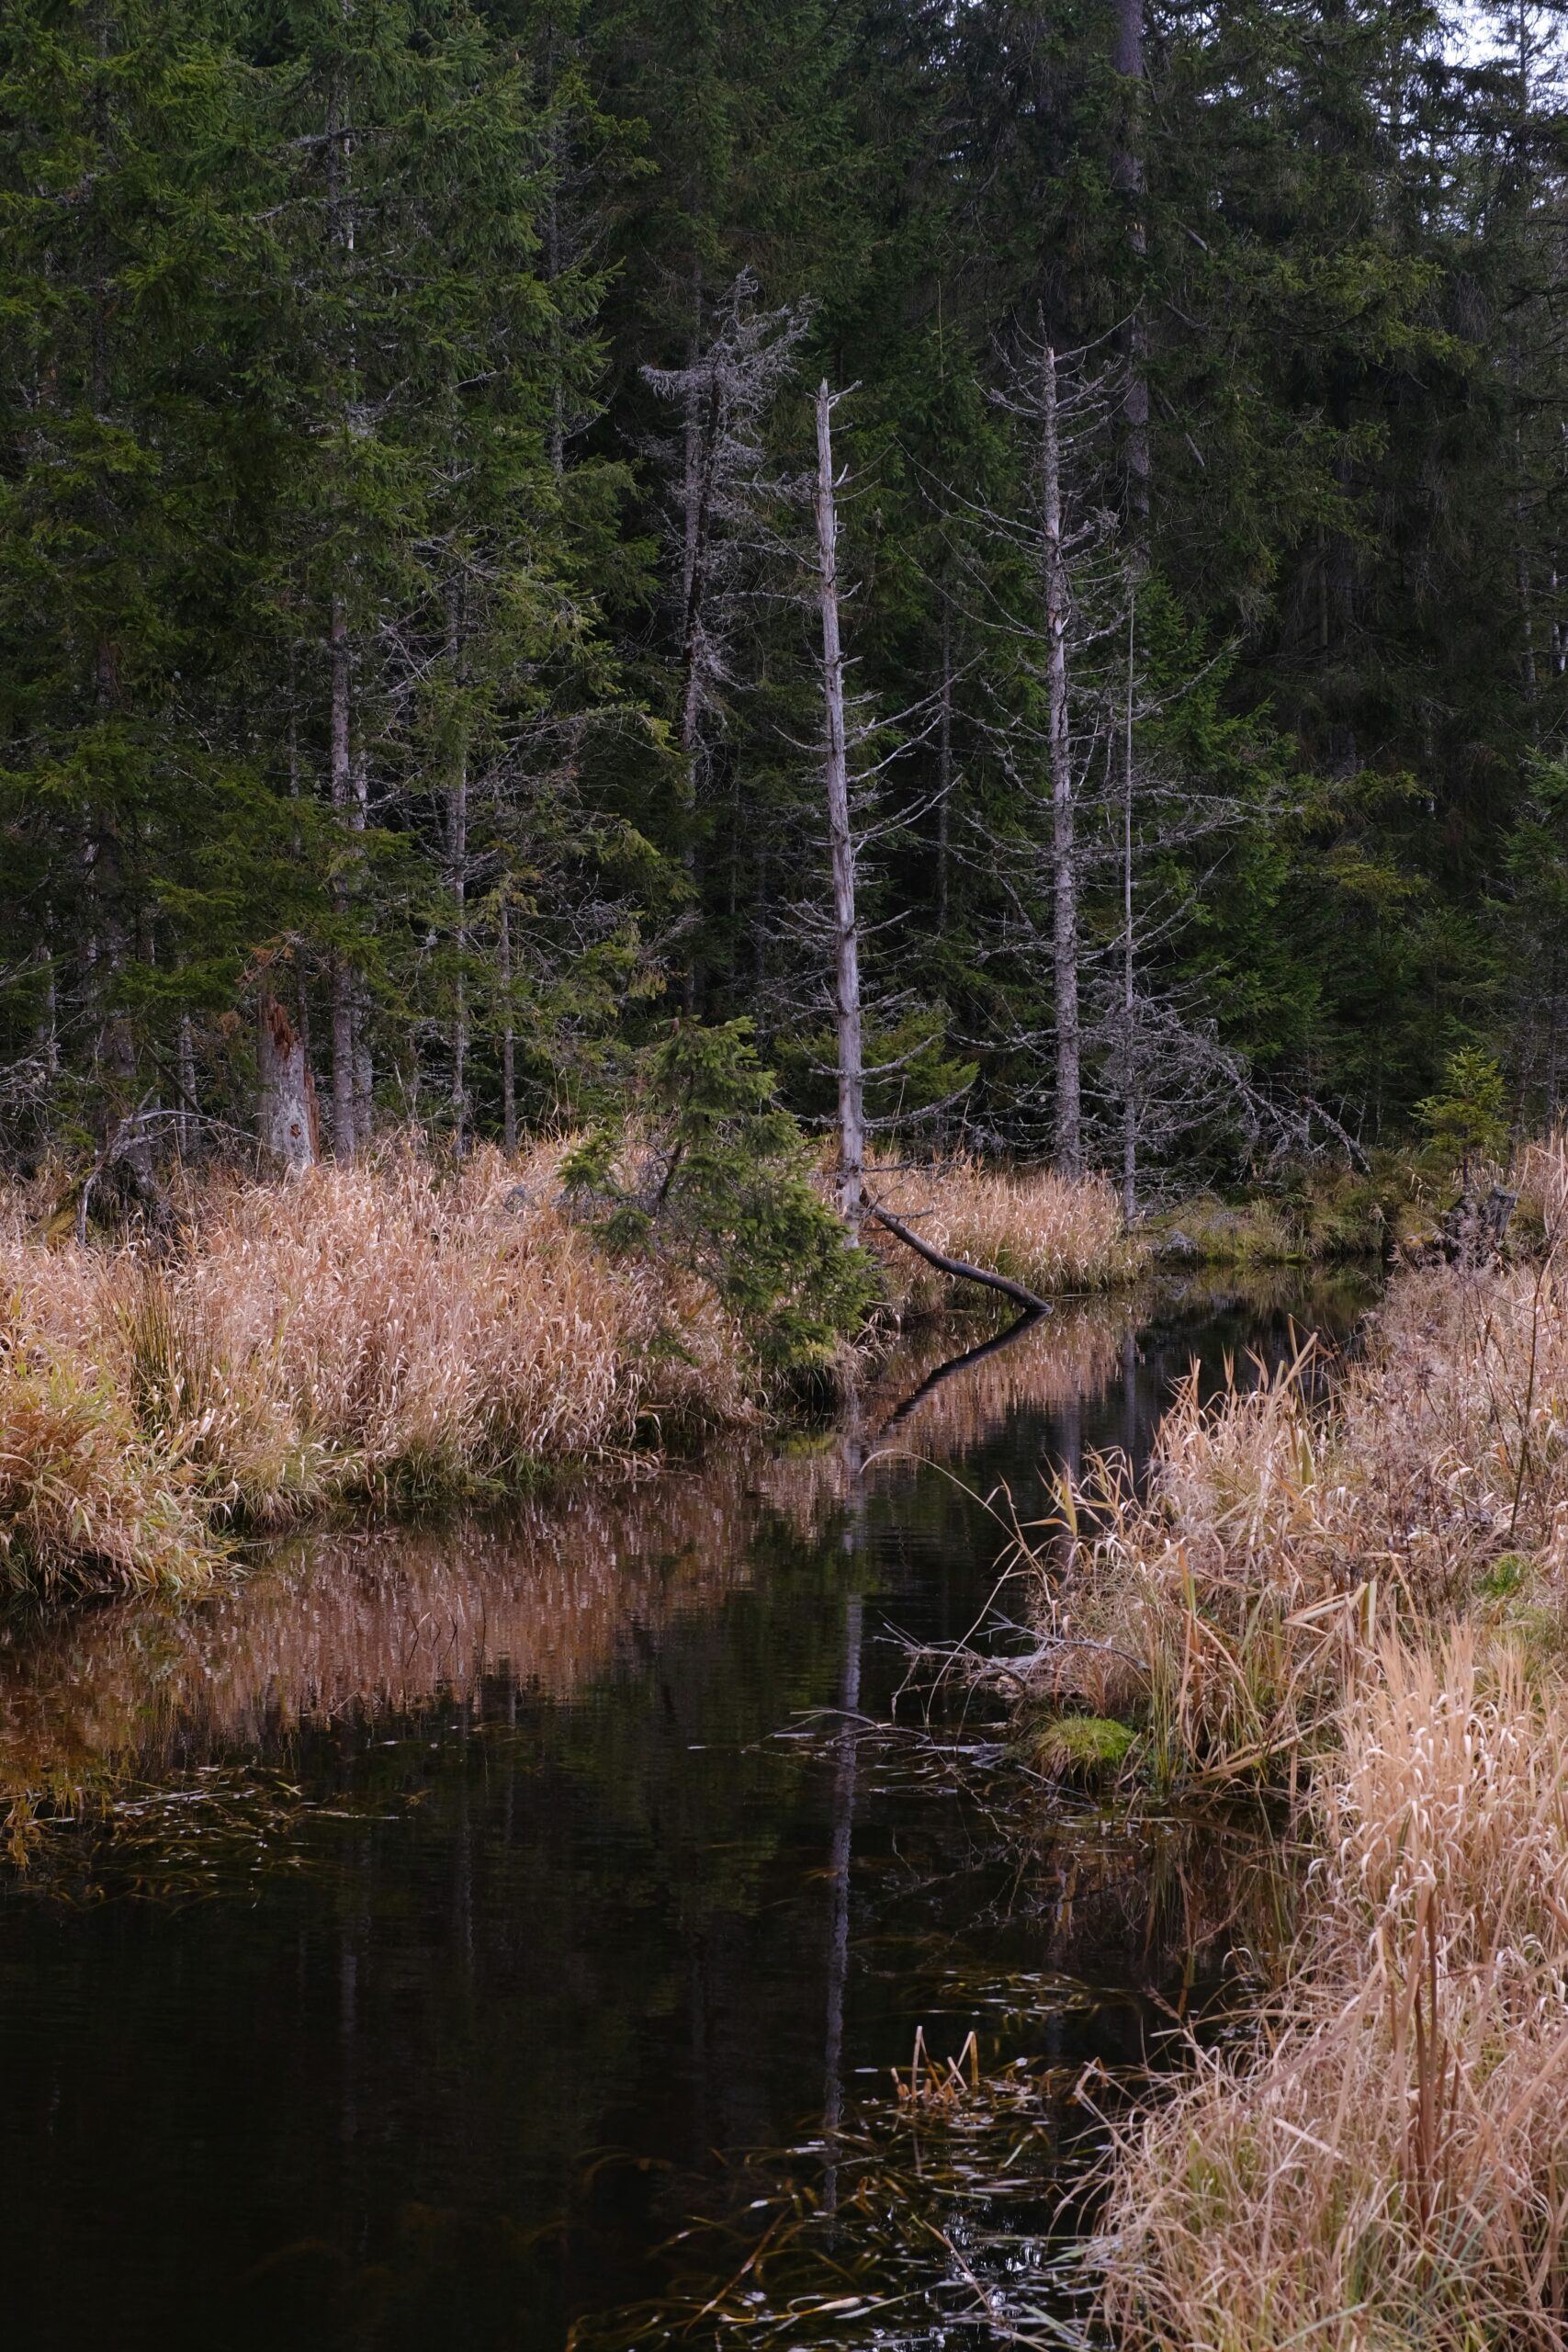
342	978
1064	845
836	775
959	1268
943	771
508	1036
1129	971
457	844
1127	177
286	1103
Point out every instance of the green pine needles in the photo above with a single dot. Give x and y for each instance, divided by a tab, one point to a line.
709	1169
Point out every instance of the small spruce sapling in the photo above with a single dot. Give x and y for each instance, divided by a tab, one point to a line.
1468	1119
708	1167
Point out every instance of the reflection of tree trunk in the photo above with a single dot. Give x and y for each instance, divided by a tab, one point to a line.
902	1411
844	1778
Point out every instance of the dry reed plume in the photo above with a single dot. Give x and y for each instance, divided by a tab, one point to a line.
370	1330
1049	1232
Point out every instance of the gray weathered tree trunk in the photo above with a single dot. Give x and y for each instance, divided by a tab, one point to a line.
287	1099
944	772
457	846
1129	970
343	976
836	775
508	1035
1064	844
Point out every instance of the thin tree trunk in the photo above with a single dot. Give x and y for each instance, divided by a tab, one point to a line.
943	771
508	1036
1129	1089
1127	177
836	774
343	978
1064	846
459	846
185	1074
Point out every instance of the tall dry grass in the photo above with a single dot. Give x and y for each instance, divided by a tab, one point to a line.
370	1331
1287	1525
1359	1597
1389	2166
1052	1233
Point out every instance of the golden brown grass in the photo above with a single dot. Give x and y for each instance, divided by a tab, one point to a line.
1389	2167
1049	1232
1361	1600
370	1331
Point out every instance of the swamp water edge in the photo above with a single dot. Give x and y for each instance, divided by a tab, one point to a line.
504	1936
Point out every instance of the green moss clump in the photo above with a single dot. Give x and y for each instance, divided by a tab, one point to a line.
1082	1747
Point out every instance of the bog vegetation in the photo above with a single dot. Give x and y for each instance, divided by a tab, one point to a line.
1351	1596
648	650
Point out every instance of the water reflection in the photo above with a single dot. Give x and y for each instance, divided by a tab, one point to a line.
548	1866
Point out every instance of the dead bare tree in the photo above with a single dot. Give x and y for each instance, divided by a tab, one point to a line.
286	1108
836	777
721	484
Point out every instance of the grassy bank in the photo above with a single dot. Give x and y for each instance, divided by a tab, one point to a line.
1049	1232
1356	1599
385	1333
369	1334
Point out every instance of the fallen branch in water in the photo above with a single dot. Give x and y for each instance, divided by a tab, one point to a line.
957	1267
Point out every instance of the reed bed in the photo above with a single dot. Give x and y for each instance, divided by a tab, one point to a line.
1288	1523
1389	2165
1052	1233
1354	1594
372	1332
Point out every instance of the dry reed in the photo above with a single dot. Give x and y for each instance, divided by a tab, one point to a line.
1049	1232
1372	1582
370	1331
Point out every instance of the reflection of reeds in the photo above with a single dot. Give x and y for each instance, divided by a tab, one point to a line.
386	1619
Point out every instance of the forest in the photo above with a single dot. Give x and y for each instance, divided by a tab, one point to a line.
411	656
784	1175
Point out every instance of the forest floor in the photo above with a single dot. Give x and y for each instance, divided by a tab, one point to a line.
397	1334
1352	1597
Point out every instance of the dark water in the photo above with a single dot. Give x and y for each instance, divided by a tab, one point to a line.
467	1904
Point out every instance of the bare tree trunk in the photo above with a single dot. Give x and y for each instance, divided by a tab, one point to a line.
343	980
508	1037
1129	1087
701	454
287	1102
184	1075
835	773
458	848
1064	846
1127	177
943	770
